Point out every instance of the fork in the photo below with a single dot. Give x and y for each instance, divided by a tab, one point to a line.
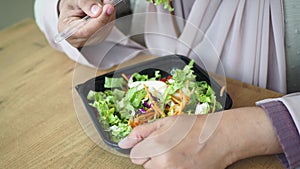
78	25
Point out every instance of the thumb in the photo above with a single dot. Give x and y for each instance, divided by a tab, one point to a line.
139	133
90	7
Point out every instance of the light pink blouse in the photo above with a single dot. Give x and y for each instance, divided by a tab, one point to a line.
243	39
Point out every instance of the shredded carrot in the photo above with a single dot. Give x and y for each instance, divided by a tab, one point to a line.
132	122
214	108
154	106
181	103
144	118
193	90
187	84
172	107
176	112
157	110
185	100
222	90
125	77
146	115
175	100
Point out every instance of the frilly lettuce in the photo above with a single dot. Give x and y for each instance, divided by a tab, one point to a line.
166	4
116	107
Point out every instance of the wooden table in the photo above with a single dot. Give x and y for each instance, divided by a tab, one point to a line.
39	127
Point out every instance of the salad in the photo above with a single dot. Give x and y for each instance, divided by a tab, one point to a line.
166	3
135	99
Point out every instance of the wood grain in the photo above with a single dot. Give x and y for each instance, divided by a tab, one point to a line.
38	121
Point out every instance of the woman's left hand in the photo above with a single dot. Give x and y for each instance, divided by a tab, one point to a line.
210	141
173	142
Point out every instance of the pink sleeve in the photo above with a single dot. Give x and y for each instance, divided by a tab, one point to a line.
284	115
286	131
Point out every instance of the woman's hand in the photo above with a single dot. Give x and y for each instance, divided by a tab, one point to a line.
211	141
71	11
175	142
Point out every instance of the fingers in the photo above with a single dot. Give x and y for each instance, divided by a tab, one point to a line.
140	161
90	7
93	8
171	131
96	23
101	16
139	133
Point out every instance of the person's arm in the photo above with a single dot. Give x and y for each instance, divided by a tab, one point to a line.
285	117
172	142
109	52
46	17
270	128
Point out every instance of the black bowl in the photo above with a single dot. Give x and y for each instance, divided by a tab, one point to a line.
165	64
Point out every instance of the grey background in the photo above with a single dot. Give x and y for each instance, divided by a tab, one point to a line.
12	11
292	33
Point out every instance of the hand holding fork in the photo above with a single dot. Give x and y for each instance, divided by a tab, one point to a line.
77	28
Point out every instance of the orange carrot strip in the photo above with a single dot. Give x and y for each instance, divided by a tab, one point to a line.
154	106
125	77
174	99
222	90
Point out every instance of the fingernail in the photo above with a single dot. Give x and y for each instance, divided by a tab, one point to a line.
95	9
109	10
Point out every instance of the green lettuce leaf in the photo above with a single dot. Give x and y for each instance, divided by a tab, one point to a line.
114	82
166	4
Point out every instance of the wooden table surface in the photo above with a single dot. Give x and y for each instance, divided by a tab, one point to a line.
39	126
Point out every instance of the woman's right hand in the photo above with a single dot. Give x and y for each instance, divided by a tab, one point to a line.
71	11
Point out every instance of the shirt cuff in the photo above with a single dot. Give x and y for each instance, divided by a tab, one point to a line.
286	132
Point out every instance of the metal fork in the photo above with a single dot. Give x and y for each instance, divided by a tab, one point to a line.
78	25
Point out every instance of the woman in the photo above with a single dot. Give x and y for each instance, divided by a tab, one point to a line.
246	38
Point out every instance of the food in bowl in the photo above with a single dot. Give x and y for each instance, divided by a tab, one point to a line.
137	98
